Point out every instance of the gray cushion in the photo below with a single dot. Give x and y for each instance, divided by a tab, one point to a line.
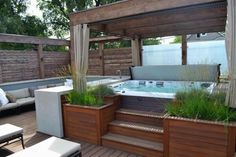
42	87
11	98
31	91
9	106
20	93
25	101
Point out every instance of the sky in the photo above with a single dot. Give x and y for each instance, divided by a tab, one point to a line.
33	9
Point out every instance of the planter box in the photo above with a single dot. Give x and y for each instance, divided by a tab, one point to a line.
198	138
88	123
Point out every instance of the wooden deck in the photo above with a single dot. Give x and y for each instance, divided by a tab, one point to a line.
27	120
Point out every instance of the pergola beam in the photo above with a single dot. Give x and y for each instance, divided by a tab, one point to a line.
130	8
163	17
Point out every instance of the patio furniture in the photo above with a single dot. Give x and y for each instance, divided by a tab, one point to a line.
53	147
9	132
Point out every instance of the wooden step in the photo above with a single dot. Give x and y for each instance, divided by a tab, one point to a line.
138	130
150	118
133	145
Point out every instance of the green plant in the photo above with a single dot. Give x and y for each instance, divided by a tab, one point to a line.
84	99
199	104
101	91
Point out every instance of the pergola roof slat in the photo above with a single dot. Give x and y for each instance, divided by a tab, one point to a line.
132	18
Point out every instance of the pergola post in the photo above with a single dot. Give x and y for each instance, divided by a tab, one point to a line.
136	45
41	61
184	50
101	56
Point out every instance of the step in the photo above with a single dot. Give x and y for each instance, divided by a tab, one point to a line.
151	118
138	130
133	145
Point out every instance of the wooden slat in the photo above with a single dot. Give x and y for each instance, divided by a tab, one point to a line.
184	49
41	61
126	8
27	120
13	38
177	15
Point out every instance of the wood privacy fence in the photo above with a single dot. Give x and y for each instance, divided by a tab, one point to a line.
19	65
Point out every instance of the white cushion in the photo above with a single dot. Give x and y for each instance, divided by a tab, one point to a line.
8	130
52	147
3	99
2	91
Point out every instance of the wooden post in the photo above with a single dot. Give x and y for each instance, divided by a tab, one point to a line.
101	55
0	73
41	61
136	51
184	50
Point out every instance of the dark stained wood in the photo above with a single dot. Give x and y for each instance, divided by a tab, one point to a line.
27	121
138	130
0	73
24	65
198	138
184	49
142	117
104	39
88	123
31	40
129	8
130	144
164	17
41	61
101	56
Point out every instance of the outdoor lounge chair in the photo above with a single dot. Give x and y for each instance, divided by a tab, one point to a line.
52	147
9	132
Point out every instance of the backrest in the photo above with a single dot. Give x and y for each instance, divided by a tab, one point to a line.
198	72
20	93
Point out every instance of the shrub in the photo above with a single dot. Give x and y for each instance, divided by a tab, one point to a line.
199	104
101	91
85	99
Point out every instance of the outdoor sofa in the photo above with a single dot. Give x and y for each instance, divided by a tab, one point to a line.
22	97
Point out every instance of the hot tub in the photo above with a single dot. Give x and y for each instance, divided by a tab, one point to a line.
159	89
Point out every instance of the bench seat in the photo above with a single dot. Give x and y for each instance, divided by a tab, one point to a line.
53	147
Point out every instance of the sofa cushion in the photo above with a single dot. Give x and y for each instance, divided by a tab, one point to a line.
51	85
42	87
25	101
9	106
31	91
20	93
3	98
11	98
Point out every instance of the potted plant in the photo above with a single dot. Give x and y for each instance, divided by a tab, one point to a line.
199	124
106	93
86	115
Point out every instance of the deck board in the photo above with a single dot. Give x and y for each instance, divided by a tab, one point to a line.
27	120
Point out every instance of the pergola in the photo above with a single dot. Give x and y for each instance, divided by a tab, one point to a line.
139	19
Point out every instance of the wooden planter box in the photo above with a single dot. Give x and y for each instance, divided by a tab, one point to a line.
88	123
198	138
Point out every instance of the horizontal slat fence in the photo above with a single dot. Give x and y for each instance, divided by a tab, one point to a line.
114	59
19	65
24	65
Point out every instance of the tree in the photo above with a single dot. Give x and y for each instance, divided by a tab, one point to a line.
56	12
151	41
178	39
13	20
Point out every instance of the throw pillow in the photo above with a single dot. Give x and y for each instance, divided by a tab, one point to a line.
31	91
2	92
11	98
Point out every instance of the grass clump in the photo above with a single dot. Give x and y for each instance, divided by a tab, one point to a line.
84	99
199	104
101	91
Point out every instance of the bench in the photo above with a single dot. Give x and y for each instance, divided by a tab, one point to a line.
52	147
9	132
